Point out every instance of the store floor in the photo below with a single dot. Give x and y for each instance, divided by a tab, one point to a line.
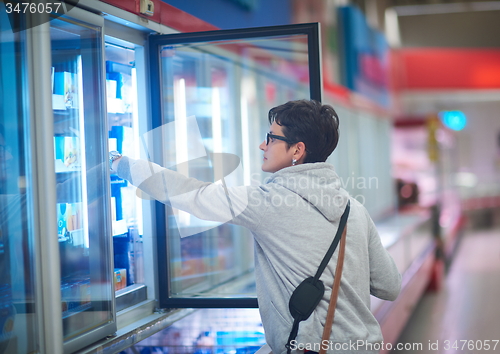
464	316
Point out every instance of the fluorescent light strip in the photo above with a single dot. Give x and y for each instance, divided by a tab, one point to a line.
245	142
83	158
181	149
181	139
216	121
137	147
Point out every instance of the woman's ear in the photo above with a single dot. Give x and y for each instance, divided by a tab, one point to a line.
300	152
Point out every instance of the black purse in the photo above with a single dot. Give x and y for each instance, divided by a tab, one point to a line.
306	297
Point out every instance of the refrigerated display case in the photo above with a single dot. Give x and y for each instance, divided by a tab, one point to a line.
80	150
210	94
89	85
91	109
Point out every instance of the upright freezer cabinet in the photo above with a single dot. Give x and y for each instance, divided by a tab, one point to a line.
227	80
57	293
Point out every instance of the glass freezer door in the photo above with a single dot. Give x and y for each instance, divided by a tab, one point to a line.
217	87
18	311
80	147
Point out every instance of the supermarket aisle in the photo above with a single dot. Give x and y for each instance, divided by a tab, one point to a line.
464	316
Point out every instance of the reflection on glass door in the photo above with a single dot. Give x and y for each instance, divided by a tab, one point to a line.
18	313
202	88
222	84
80	152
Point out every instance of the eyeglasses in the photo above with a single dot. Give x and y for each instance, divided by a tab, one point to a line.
272	136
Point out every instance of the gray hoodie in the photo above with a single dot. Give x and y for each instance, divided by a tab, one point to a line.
293	217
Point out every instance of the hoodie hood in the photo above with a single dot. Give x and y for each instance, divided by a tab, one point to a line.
316	183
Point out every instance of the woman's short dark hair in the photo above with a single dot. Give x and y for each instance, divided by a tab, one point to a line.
310	122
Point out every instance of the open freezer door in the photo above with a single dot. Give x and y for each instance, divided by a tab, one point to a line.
210	97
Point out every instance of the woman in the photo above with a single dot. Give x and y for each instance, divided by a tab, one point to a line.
293	217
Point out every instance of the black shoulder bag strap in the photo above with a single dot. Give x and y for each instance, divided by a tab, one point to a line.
309	293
